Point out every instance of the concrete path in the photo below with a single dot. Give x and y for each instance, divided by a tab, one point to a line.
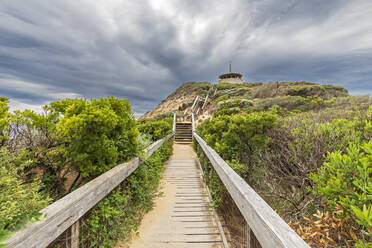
183	216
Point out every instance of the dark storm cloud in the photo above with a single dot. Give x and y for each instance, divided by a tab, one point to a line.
144	50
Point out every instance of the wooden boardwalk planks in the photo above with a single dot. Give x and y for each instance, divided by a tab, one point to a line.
189	221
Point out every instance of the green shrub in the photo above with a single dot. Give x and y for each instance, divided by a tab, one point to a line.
346	179
156	129
238	137
20	200
97	134
201	88
168	116
119	214
298	146
232	106
4	122
37	134
227	111
85	136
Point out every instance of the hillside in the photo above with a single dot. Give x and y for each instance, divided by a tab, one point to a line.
180	99
250	97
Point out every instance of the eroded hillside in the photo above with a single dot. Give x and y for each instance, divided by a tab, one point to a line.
252	97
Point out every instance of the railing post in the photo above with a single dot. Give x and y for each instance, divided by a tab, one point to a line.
205	101
195	101
67	238
247	235
75	235
174	121
193	122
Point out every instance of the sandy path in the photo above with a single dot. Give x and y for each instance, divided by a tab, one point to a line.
161	207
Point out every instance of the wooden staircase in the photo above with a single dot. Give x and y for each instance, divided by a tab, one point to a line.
183	134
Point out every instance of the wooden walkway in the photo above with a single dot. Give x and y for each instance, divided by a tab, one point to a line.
186	218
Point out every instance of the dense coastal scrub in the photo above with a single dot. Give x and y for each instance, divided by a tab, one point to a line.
118	215
45	156
156	128
306	149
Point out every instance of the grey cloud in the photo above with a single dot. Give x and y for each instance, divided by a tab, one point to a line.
144	50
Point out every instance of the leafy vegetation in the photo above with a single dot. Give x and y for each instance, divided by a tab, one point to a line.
194	86
4	123
305	148
238	137
76	138
20	198
119	214
46	155
97	134
346	179
156	129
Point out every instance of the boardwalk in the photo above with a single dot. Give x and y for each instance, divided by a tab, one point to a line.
182	216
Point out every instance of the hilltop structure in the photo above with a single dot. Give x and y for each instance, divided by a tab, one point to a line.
231	77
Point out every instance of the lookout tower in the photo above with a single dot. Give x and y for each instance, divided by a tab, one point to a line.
231	77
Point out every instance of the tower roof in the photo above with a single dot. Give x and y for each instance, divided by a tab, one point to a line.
231	75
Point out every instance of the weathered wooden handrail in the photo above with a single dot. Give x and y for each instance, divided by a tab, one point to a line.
174	121
270	230
193	122
195	101
62	214
205	101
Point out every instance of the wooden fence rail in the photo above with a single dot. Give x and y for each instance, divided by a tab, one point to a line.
62	214
270	230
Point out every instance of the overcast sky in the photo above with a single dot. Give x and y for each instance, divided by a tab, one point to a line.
143	50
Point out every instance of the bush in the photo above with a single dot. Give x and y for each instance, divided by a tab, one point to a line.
156	129
298	147
238	137
168	116
79	136
97	134
20	200
346	179
303	89
4	122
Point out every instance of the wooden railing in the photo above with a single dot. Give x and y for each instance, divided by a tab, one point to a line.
270	230
193	122
174	122
66	212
